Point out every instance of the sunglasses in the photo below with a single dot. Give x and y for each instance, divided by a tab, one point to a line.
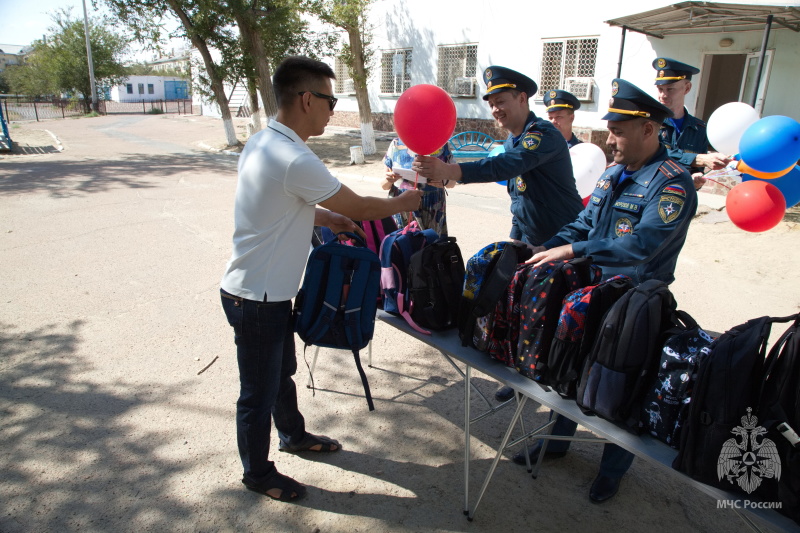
331	100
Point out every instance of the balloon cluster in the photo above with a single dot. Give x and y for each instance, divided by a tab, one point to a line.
767	153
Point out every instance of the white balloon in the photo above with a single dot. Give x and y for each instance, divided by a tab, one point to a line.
588	164
727	125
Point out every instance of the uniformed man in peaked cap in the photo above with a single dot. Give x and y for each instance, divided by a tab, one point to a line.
536	161
561	107
635	224
683	134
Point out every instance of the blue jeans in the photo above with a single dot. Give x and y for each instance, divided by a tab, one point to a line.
264	337
616	460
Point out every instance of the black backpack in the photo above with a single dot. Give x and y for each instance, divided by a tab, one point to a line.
728	388
625	354
580	318
435	281
779	414
666	401
336	305
486	280
540	304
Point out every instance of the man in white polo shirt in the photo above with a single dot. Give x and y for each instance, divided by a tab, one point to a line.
281	182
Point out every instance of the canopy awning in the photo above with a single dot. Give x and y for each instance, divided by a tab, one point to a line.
708	17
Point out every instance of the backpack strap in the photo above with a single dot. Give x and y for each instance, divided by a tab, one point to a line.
331	300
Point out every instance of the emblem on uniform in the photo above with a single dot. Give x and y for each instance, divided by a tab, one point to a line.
674	189
669	207
521	185
614	88
552	94
660	73
623	227
606	184
487	74
662	62
531	140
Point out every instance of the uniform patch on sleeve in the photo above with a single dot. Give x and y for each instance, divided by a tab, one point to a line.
674	189
531	140
623	227
669	207
521	185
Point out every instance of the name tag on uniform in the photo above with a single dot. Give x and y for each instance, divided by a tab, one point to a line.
631	207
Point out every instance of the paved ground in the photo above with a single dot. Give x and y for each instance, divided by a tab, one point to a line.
112	251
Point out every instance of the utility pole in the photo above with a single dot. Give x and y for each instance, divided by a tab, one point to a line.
95	105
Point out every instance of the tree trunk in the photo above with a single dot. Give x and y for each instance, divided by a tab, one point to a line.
255	115
360	83
217	86
253	44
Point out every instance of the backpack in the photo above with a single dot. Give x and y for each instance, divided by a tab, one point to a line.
580	317
666	401
486	278
395	257
729	382
625	354
376	231
779	414
502	334
435	280
539	307
335	307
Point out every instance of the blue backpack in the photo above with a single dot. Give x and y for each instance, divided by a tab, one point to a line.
395	258
336	305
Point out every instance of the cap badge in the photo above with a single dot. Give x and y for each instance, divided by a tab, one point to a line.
552	94
487	74
614	88
660	73
662	62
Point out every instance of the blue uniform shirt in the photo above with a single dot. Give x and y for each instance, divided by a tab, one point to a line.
573	141
626	223
540	181
683	147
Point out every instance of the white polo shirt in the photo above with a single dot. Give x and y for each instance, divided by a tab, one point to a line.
280	182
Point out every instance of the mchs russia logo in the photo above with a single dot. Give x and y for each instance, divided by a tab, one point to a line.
749	457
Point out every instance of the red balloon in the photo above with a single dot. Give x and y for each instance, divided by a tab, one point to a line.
755	205
425	118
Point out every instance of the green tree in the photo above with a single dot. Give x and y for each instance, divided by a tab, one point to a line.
351	16
58	64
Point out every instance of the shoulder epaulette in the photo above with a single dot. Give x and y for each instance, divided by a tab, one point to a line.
671	169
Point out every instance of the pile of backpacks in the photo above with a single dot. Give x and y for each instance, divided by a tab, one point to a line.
627	354
622	352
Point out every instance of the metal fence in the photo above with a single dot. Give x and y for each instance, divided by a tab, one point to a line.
21	108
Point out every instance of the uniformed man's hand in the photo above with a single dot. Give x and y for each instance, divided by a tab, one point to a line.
436	170
712	161
559	253
699	180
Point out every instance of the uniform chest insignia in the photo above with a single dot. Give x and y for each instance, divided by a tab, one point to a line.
521	185
606	185
531	140
633	194
623	226
669	207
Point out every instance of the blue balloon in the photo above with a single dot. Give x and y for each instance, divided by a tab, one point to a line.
498	150
772	144
788	184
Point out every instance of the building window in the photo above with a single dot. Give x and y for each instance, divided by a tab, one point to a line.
141	88
344	83
129	88
395	71
563	61
150	88
456	69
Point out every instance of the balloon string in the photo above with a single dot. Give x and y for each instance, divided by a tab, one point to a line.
718	183
416	180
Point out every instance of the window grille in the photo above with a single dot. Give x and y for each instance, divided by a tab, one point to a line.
395	71
456	69
141	88
344	84
150	88
566	58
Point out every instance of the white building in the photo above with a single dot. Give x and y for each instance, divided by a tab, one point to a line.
576	46
149	88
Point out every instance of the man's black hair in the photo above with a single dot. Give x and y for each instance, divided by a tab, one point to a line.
298	73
